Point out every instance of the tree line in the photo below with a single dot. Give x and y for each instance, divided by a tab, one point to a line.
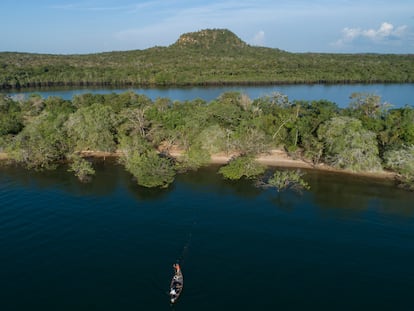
210	57
368	135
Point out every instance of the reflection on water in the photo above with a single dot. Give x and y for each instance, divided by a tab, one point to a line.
356	194
329	191
110	244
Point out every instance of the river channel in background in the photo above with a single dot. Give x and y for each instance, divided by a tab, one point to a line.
398	95
347	244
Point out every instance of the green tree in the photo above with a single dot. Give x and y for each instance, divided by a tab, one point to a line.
160	130
42	143
226	111
93	128
193	158
135	122
213	139
398	129
311	116
287	179
402	161
273	118
150	169
248	139
368	105
82	168
34	105
11	120
243	166
281	118
180	123
192	120
369	109
348	145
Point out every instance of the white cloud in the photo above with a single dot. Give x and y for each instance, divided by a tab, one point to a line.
259	38
386	32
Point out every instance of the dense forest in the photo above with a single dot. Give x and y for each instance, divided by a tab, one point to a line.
368	135
206	57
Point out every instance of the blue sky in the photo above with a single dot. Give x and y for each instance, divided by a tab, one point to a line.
89	26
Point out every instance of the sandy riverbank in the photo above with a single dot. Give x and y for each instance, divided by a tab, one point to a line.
275	158
280	158
272	158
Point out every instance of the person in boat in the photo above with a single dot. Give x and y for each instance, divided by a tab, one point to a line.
177	268
176	286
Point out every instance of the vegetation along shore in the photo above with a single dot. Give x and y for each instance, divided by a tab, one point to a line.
207	57
156	139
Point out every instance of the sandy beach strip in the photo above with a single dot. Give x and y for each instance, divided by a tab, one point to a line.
280	158
273	158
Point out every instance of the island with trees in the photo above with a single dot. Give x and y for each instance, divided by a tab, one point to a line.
156	139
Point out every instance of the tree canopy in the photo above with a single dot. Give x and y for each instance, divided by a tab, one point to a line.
347	145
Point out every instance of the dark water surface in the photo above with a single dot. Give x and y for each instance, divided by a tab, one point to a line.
398	95
348	244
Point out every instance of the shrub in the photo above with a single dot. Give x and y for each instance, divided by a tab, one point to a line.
243	166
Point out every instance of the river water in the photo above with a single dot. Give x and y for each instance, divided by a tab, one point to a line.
398	95
347	244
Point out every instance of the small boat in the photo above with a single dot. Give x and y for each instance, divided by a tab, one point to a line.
177	283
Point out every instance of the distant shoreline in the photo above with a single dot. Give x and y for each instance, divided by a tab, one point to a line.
273	158
226	60
36	87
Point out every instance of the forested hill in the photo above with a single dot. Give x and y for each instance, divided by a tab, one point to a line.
214	56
